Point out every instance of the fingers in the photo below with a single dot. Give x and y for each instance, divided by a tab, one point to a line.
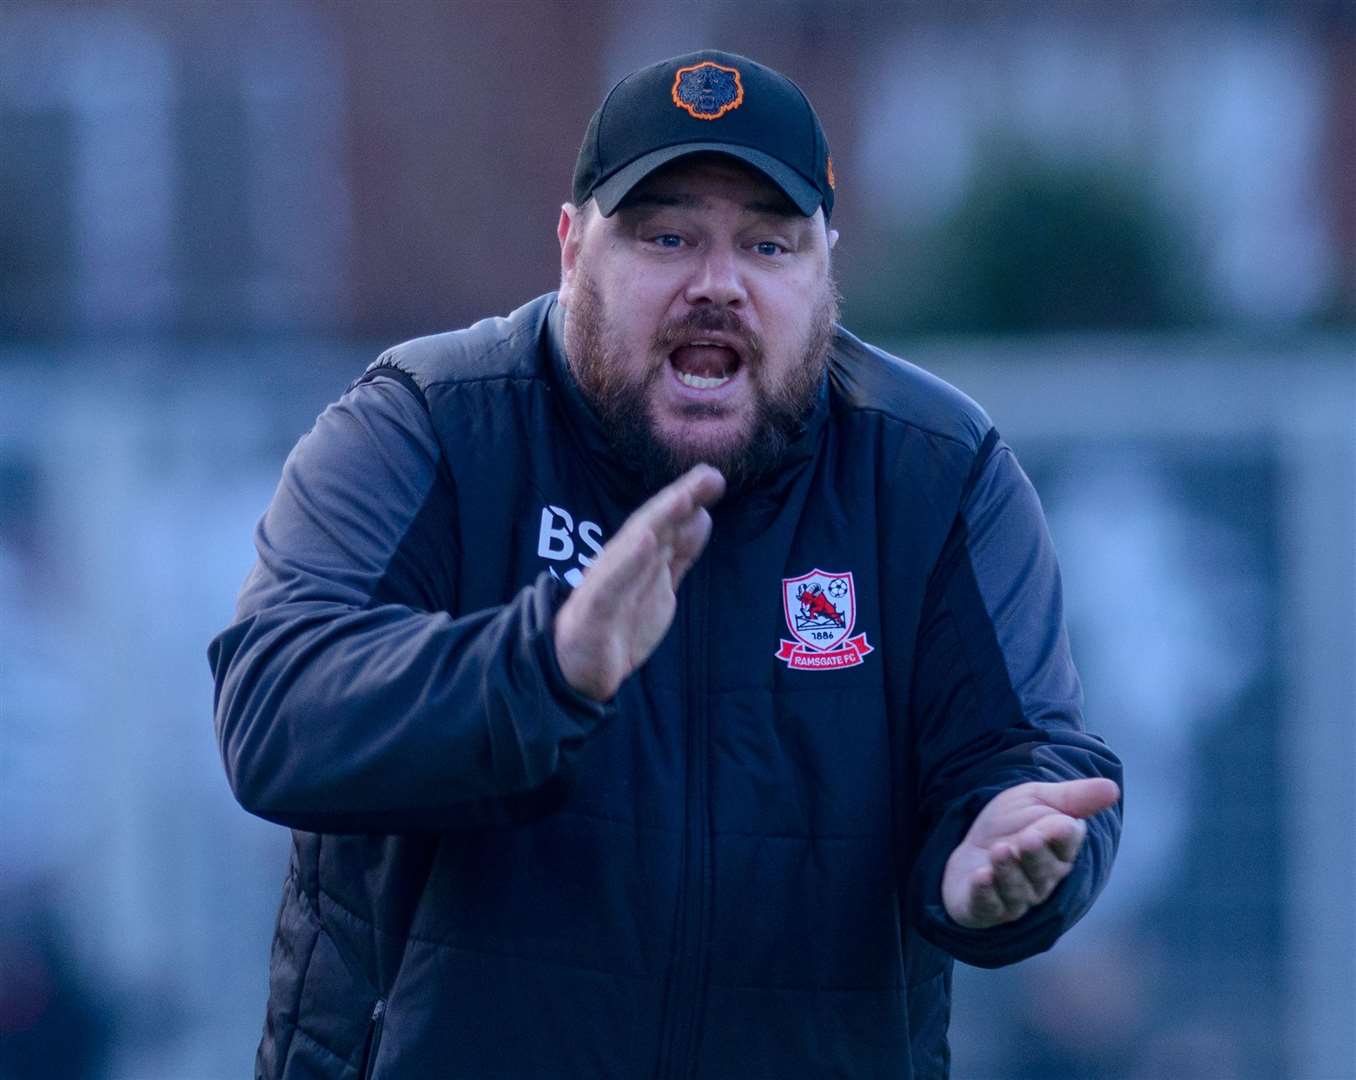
701	486
689	542
627	566
1047	850
617	615
985	908
1030	865
671	528
1017	891
678	518
1064	838
1005	890
707	484
1019	872
1078	798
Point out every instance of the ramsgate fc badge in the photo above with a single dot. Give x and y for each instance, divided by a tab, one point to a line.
821	610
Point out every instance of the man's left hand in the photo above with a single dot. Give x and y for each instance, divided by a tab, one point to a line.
1022	844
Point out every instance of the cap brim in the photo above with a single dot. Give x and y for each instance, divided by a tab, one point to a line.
609	194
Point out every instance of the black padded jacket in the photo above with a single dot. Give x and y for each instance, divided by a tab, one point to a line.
730	870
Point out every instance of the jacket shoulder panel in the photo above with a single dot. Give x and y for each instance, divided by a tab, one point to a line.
866	378
493	348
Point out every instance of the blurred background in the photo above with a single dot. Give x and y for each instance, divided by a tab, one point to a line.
1128	229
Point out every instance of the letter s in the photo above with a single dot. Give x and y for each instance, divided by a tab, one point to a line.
591	533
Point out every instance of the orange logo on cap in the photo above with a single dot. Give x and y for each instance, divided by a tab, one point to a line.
707	91
828	164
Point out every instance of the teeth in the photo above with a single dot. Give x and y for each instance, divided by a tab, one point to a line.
701	382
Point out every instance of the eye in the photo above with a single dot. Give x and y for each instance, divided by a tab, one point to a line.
667	240
769	248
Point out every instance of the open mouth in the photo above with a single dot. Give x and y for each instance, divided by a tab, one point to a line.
704	364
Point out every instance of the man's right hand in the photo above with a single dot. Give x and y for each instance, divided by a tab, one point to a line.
618	614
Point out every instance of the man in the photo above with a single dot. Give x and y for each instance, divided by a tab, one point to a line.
659	681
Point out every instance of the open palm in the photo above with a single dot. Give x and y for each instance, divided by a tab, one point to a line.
1020	847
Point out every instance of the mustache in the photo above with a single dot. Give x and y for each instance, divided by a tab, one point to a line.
709	320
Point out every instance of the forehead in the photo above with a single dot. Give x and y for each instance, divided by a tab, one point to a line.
704	178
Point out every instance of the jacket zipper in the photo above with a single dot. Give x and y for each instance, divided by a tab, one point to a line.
373	1039
690	946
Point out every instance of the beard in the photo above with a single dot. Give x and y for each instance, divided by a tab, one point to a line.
621	395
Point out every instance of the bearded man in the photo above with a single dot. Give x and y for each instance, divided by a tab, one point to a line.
658	681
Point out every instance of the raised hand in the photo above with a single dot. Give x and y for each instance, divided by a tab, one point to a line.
616	617
1022	844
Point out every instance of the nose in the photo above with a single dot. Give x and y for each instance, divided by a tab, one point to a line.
717	279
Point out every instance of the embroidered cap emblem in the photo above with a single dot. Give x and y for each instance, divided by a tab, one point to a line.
707	91
821	611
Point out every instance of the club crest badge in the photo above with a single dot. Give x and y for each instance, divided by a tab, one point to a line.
821	611
707	91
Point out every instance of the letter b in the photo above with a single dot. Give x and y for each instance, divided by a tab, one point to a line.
554	542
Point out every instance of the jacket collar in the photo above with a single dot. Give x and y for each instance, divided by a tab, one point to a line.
624	482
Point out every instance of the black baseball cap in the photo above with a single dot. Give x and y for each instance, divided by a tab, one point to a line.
706	101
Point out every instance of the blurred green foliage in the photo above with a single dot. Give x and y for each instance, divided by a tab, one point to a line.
1033	246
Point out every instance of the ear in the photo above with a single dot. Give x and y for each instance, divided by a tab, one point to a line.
833	238
569	230
567	214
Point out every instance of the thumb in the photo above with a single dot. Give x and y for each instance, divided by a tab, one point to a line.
1078	798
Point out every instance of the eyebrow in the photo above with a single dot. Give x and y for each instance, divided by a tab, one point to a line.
783	208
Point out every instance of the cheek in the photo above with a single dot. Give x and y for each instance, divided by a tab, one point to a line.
786	319
639	313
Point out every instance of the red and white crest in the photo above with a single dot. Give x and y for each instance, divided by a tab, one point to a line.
821	610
